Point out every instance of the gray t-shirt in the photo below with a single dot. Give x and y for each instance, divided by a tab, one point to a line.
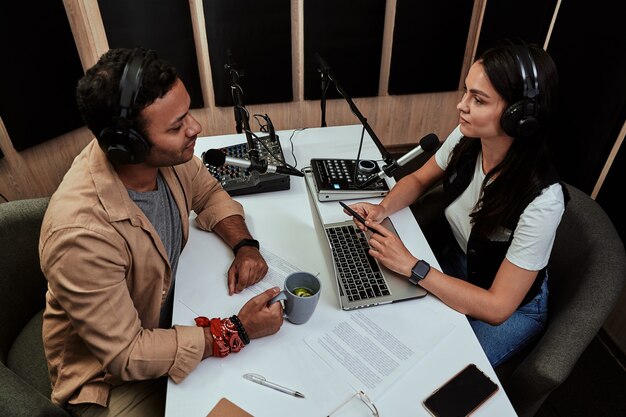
161	209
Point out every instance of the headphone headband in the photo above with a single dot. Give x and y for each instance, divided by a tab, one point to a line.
121	143
521	119
132	78
528	70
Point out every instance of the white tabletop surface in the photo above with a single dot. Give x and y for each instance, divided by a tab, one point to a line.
286	224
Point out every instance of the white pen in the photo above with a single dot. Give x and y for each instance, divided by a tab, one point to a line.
259	379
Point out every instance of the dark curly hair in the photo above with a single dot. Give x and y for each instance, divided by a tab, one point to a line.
521	175
98	91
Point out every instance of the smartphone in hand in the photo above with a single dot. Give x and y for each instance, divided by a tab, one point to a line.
462	394
356	216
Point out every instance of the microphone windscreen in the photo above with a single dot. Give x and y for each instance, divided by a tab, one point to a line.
214	157
429	142
322	65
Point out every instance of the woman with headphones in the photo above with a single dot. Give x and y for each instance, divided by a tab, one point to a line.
502	202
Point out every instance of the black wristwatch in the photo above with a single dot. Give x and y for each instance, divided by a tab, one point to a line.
419	272
245	242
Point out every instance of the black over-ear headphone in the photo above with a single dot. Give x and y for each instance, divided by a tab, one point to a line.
521	119
121	143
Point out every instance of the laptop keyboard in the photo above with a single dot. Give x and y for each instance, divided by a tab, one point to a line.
358	273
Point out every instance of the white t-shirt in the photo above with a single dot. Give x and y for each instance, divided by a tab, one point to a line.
536	229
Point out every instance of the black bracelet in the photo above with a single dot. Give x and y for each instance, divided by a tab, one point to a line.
242	332
245	242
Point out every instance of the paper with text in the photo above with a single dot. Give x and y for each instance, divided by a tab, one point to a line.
372	348
278	269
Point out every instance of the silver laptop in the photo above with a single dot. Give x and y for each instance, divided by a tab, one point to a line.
361	280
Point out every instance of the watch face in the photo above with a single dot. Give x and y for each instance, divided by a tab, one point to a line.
421	269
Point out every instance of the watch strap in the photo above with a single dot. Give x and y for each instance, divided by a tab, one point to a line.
245	242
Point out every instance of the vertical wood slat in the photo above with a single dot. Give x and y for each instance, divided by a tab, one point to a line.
202	52
88	30
385	62
297	49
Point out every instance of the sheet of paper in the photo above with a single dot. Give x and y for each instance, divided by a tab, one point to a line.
278	269
371	348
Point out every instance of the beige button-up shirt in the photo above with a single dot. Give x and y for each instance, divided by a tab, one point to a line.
108	273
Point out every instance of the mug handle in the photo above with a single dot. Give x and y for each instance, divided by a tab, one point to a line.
280	296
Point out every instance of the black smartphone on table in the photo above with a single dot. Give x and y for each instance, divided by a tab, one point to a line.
462	394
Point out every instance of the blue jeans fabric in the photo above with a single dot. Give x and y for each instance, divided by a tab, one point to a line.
503	341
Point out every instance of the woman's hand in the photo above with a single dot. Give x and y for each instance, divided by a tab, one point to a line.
389	250
372	213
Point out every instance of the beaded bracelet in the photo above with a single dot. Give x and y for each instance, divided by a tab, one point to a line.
231	334
240	329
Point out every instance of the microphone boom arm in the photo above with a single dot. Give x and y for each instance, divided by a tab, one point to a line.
384	152
241	114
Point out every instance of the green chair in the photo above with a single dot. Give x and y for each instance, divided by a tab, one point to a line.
24	374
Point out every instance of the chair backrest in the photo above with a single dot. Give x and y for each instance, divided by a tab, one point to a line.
586	275
22	284
24	375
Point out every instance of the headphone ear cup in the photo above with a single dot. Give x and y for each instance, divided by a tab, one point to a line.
123	146
519	119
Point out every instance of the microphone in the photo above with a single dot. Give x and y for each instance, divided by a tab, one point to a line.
428	143
218	158
322	65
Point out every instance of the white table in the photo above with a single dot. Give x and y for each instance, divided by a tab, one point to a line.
285	222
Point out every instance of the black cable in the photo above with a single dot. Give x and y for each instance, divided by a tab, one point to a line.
291	142
6	200
269	150
262	127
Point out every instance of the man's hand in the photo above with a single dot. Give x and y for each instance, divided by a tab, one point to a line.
258	318
247	269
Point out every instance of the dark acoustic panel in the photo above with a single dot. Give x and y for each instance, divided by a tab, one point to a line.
348	35
429	45
612	192
528	20
256	34
162	25
39	71
591	60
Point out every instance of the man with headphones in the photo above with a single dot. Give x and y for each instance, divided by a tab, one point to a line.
111	239
502	202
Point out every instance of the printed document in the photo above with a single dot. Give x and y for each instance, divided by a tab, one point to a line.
371	348
278	270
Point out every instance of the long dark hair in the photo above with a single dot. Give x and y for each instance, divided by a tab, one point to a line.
522	174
